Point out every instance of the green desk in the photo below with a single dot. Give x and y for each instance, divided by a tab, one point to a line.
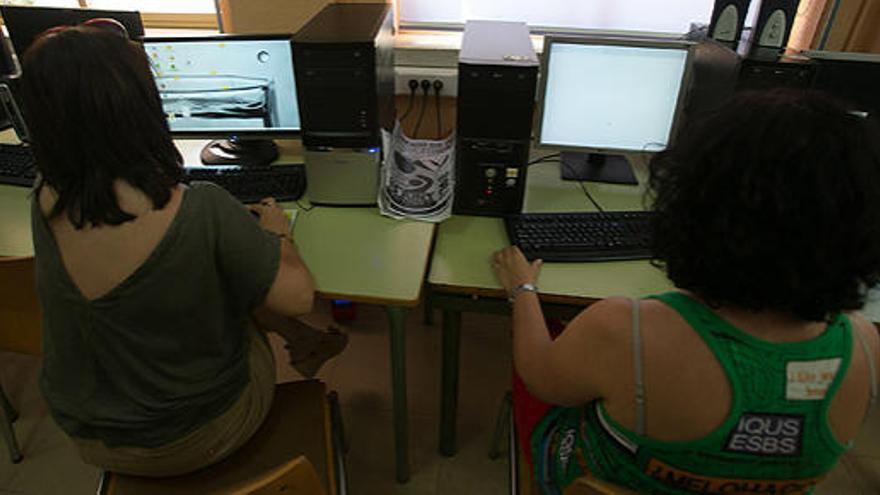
353	253
461	277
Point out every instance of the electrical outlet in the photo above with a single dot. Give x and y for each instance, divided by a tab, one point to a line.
402	75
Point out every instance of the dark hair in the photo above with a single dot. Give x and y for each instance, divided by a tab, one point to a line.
772	202
95	116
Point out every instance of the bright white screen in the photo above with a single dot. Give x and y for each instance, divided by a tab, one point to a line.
611	97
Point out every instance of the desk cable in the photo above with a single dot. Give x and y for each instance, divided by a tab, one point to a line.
426	87
413	86
554	158
304	208
438	86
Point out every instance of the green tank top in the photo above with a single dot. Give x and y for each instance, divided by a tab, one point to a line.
775	439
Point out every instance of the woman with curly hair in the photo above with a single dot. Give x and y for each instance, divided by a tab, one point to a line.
755	374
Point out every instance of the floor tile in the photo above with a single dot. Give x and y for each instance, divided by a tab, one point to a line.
840	481
371	457
867	442
866	472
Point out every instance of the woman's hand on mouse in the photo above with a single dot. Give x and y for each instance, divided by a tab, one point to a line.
271	217
512	268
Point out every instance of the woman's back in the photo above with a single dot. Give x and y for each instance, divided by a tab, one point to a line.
756	414
688	393
97	259
157	339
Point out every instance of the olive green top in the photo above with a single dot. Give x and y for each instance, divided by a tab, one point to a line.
165	351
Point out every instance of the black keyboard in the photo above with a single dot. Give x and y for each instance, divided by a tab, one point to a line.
17	165
592	236
251	184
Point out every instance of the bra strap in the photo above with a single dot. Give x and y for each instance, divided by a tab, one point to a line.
637	368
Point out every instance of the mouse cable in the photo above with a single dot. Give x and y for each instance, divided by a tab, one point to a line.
584	188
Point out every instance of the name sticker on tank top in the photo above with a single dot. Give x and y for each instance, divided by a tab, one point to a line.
698	483
809	380
767	434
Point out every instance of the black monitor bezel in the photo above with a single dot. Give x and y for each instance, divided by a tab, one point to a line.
638	42
72	12
242	134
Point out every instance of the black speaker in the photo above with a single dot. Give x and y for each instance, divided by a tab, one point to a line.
774	23
728	18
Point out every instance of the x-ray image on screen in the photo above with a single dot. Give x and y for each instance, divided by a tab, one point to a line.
225	86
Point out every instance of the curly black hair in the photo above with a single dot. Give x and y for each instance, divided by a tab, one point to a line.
772	202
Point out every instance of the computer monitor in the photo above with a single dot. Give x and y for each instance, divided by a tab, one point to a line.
853	78
605	96
26	23
238	88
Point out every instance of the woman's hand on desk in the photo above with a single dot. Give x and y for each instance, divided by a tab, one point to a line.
512	268
271	217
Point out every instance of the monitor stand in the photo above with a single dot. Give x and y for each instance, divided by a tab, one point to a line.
596	167
244	152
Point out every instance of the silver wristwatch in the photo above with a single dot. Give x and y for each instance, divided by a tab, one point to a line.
511	296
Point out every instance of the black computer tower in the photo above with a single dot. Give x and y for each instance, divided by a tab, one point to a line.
344	64
782	72
713	76
497	76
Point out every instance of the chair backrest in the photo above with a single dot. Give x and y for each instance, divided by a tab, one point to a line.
20	321
297	477
592	486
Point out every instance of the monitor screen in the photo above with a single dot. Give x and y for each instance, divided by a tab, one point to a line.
26	23
226	85
611	94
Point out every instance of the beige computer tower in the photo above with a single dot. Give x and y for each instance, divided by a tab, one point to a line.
343	176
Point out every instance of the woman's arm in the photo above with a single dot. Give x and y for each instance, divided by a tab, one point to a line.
577	366
293	290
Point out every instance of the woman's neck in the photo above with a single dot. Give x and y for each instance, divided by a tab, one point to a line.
769	325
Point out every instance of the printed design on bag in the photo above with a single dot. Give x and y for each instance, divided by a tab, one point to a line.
417	177
709	485
767	435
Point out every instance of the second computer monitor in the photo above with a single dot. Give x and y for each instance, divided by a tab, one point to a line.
608	96
26	23
238	87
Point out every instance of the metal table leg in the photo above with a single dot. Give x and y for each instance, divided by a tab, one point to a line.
7	416
449	384
396	320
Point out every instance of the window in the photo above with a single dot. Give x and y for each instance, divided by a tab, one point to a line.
202	7
164	6
671	16
42	3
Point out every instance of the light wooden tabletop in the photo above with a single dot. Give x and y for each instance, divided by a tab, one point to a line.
354	253
465	244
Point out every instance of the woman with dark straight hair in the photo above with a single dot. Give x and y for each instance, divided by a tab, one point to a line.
152	362
752	377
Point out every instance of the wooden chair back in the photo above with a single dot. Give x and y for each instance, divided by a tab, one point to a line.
297	477
20	321
592	486
296	433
